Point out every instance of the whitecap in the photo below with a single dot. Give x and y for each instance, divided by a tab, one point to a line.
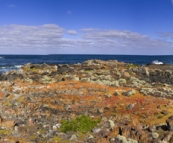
3	67
11	67
18	66
156	62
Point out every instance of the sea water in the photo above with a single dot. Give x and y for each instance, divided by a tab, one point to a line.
13	62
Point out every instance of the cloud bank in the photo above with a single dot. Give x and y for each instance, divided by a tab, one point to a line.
72	32
50	39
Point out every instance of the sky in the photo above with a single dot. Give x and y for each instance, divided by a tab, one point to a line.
126	27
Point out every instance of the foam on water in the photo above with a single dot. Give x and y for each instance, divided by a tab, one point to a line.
156	62
4	68
18	66
14	62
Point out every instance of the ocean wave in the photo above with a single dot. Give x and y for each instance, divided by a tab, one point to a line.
18	66
156	62
1	58
11	67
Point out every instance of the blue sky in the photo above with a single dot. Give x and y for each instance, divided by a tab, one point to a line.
142	27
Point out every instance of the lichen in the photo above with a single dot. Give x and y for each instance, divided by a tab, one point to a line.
5	132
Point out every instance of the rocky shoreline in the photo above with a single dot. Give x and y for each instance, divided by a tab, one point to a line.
133	103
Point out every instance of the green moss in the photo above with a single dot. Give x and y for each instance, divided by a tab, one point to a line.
156	113
5	132
57	139
128	81
33	137
81	136
21	99
159	117
32	70
8	103
41	132
10	97
133	65
86	70
82	124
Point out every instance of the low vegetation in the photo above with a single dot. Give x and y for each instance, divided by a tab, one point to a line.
82	124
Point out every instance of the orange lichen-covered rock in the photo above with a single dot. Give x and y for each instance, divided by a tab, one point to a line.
136	124
2	95
129	105
103	140
7	123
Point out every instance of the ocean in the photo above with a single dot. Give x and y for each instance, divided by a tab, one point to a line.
14	62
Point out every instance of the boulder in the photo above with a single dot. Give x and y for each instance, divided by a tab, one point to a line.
152	128
164	112
102	140
125	131
126	75
116	93
103	133
7	123
169	122
130	106
47	79
168	136
155	135
108	95
109	124
129	93
73	137
122	139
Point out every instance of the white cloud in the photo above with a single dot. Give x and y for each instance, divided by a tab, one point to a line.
72	32
88	29
166	35
49	39
126	42
27	36
172	1
113	34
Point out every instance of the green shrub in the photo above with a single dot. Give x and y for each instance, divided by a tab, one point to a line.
82	124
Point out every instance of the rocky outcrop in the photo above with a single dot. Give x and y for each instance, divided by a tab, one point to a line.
132	102
155	73
158	92
110	73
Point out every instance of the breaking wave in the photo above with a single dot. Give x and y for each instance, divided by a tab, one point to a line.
9	68
18	66
156	62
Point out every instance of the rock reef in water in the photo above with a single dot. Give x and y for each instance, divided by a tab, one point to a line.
134	103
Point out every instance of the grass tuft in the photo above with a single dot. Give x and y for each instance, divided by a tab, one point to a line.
81	124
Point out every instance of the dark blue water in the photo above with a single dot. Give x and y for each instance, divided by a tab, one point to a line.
12	62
